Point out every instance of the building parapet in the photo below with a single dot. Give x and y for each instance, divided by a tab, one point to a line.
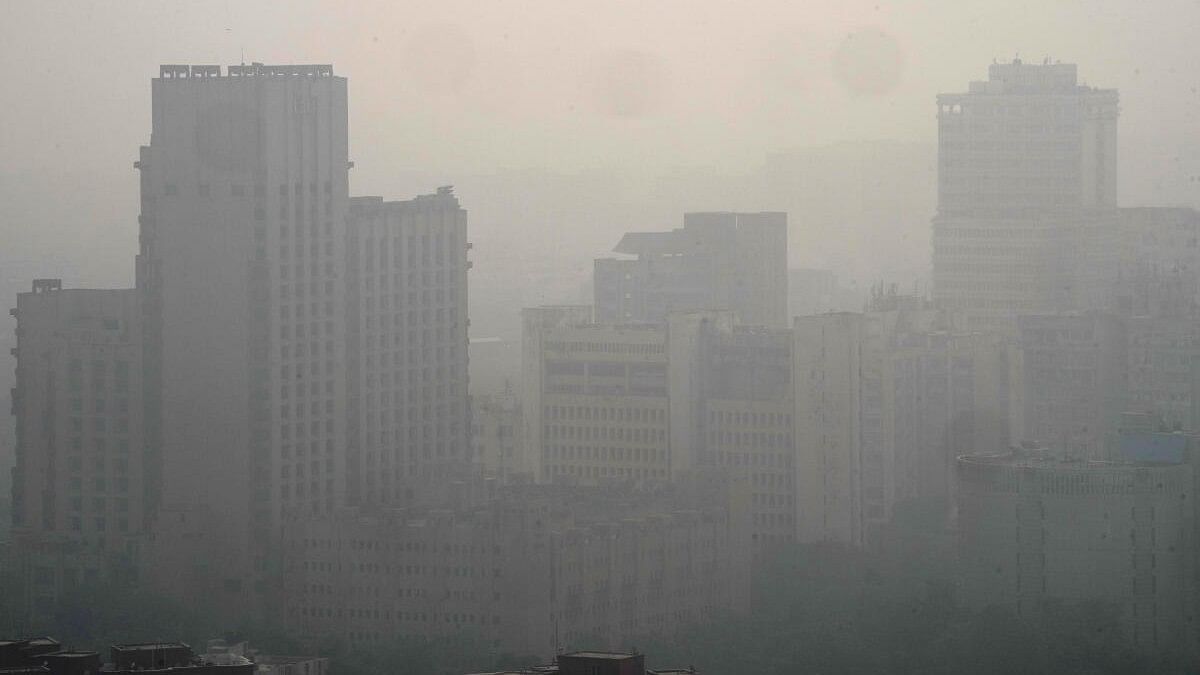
1039	472
184	72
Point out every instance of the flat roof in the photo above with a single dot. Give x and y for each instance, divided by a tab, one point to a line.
152	645
599	655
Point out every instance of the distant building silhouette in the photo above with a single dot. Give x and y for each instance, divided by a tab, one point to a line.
732	261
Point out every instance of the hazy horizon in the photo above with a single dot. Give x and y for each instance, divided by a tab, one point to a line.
442	95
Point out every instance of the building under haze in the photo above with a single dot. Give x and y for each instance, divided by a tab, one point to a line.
1036	526
731	261
596	405
532	569
242	278
884	402
79	485
1027	178
653	403
406	337
732	410
304	351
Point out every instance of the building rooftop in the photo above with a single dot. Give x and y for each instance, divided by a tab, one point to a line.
172	71
615	656
1053	458
150	645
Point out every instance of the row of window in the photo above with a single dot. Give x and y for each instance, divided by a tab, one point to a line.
604	454
605	433
259	190
749	440
605	347
556	471
606	414
751	419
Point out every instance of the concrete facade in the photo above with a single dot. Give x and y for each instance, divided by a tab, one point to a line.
406	336
242	274
534	569
1027	170
1035	527
80	487
883	403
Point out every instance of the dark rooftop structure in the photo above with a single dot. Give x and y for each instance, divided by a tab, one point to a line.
151	656
23	653
71	662
601	663
596	663
46	655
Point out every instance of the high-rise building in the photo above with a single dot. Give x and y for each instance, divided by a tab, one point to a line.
242	279
304	351
406	338
1027	174
79	493
716	261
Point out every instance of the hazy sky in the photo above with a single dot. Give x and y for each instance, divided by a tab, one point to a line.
450	88
470	86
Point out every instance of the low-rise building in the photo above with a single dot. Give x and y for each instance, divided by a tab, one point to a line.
535	569
1037	525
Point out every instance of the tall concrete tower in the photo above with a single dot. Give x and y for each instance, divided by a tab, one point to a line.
241	275
1027	171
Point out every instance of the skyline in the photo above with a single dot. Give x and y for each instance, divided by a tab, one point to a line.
632	329
728	103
